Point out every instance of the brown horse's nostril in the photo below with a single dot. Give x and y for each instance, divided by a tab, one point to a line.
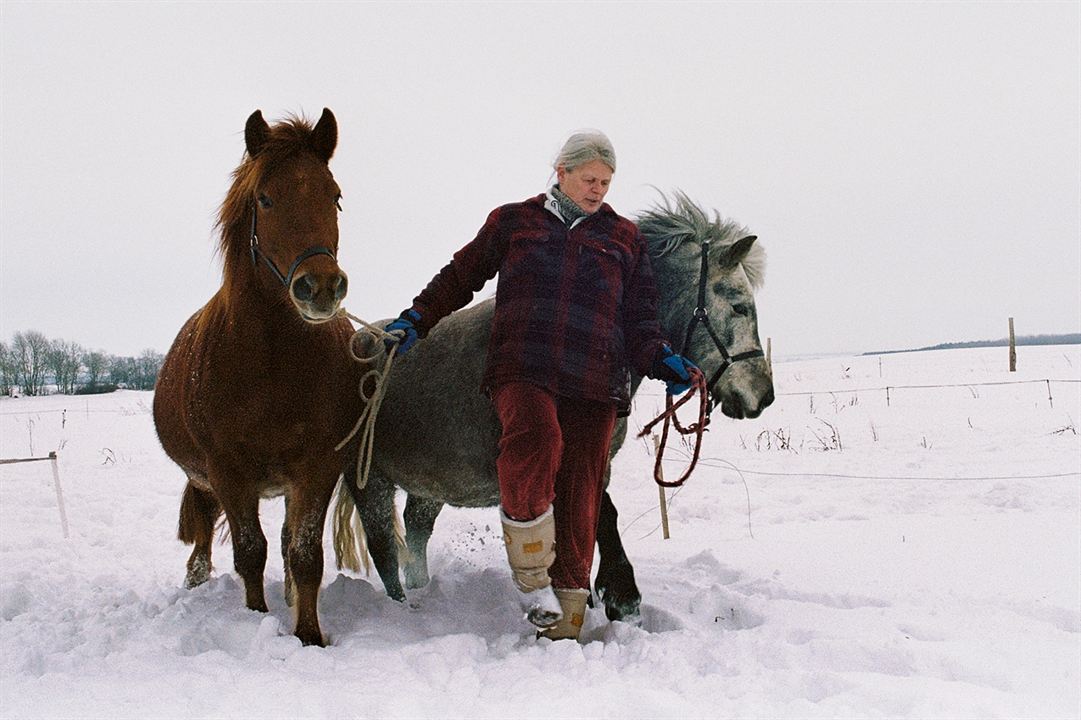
340	285
303	289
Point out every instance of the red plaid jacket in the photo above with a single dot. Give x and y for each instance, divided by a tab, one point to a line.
575	308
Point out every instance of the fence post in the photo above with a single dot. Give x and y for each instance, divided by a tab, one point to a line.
769	354
1050	399
660	490
1013	349
59	495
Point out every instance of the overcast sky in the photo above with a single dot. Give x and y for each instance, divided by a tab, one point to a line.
913	169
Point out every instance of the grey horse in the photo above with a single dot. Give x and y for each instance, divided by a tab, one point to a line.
437	434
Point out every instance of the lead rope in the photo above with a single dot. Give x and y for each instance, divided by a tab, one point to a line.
698	385
365	424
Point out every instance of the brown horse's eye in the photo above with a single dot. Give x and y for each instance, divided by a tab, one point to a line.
264	201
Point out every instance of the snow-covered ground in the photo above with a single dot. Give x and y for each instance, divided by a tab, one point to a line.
916	559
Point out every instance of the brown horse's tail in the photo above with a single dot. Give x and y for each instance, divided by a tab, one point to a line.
199	511
350	540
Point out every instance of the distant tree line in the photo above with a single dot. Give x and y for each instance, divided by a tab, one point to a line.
34	365
1054	339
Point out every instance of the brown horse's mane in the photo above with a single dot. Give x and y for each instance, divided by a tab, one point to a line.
286	139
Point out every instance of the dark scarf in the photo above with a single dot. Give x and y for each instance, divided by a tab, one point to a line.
567	207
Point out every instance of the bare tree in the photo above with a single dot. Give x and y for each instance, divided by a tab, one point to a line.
7	369
148	364
65	361
30	351
123	371
97	366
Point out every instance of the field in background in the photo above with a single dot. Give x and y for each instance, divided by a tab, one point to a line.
837	556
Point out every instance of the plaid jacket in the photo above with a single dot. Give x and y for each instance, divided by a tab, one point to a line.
575	308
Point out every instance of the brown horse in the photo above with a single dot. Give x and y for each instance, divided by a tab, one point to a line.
249	402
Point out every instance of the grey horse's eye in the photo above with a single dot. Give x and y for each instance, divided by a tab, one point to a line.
740	309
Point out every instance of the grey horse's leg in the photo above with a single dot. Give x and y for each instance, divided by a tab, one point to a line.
375	504
615	583
420	514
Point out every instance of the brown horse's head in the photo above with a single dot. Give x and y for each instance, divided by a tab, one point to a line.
280	219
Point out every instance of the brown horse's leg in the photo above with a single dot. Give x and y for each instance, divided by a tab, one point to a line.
287	539
249	544
199	511
306	512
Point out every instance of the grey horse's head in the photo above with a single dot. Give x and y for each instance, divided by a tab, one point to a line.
676	232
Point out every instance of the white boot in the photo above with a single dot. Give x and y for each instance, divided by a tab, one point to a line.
530	552
573	601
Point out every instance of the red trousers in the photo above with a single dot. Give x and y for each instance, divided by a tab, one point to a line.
554	451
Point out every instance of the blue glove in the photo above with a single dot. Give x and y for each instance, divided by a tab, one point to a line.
674	370
406	329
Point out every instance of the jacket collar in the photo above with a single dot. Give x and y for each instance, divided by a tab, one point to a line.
552	206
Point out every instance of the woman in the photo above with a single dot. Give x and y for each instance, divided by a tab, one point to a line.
575	309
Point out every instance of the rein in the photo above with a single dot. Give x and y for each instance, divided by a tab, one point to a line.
286	279
698	384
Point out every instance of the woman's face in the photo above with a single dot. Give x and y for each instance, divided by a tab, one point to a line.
586	184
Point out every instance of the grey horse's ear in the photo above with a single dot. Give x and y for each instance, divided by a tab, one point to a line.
325	135
737	251
256	133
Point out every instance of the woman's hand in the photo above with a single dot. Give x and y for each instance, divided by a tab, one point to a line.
674	369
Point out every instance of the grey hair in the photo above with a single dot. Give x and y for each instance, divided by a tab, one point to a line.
585	146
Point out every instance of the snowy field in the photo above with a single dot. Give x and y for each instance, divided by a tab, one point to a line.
917	559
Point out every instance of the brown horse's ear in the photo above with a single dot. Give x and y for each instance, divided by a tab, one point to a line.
256	132
325	135
738	250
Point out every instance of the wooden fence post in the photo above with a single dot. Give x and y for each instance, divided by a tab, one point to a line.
1013	349
660	490
59	495
769	354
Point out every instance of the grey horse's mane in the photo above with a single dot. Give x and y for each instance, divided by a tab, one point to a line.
669	224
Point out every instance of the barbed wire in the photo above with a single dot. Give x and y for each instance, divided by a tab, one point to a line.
73	411
885	388
726	465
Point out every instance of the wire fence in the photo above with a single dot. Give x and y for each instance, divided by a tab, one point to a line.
718	463
888	389
667	499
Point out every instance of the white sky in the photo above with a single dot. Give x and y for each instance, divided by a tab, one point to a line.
913	170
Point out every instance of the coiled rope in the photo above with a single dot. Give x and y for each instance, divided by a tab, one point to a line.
350	539
369	335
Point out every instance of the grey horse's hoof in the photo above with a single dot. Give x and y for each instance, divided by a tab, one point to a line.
618	591
416	575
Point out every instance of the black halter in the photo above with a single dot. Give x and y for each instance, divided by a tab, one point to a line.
701	316
287	279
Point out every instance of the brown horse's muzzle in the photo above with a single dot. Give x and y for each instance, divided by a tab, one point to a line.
318	295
